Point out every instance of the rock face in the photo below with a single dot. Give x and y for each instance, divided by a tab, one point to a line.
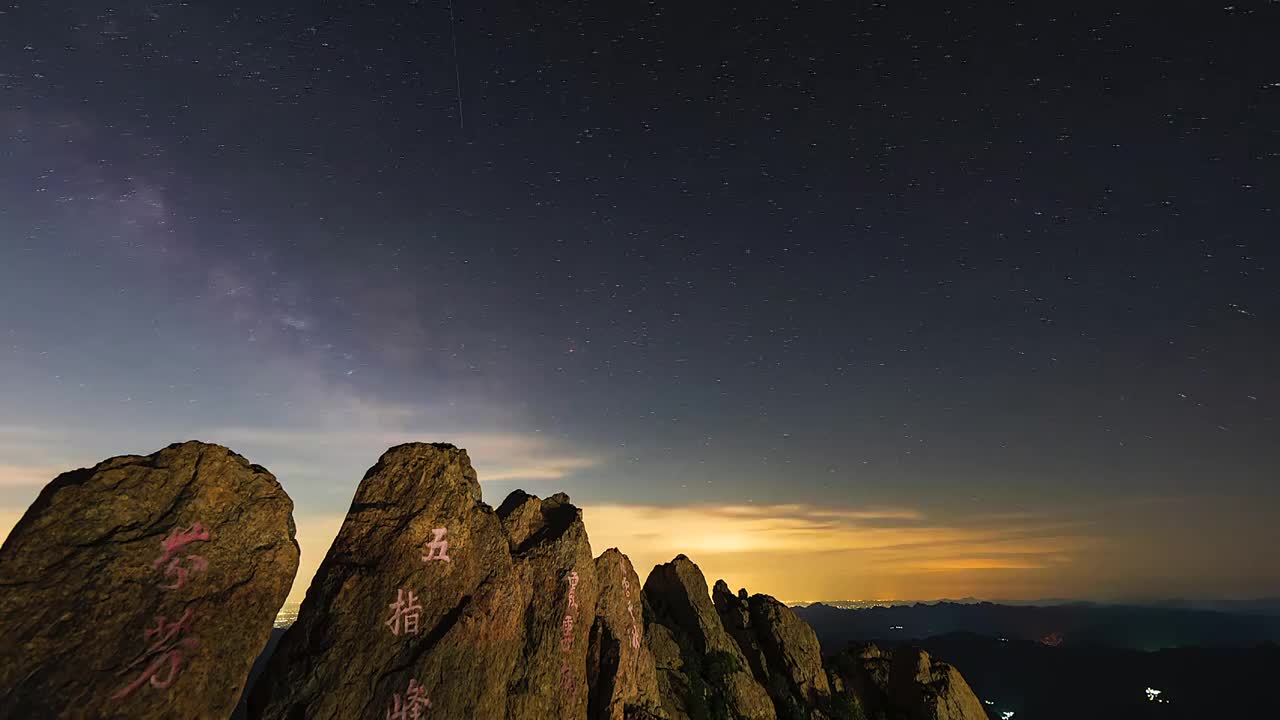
431	599
551	556
621	673
712	670
782	650
408	607
905	683
143	587
432	604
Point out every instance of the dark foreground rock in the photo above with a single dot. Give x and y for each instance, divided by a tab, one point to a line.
905	683
710	672
143	587
781	649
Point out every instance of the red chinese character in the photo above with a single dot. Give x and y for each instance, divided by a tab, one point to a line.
174	566
179	539
438	547
405	613
412	710
166	650
417	698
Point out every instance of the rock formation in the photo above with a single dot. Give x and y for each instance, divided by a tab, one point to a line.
413	606
905	683
552	556
431	599
782	650
711	670
143	587
621	673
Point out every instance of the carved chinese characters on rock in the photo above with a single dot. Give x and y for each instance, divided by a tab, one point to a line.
170	641
566	638
438	547
176	565
635	627
405	613
411	705
162	661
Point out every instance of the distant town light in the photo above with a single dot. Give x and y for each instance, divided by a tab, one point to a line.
989	702
1153	695
1006	715
895	627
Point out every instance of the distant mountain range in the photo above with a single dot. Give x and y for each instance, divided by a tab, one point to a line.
1119	626
1259	606
1083	660
1039	682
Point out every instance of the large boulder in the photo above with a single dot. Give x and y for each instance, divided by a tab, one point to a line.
903	684
713	666
412	607
621	674
143	587
430	602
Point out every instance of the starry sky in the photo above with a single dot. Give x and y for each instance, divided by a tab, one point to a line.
842	299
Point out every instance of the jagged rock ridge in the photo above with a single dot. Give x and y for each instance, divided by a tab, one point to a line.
519	621
145	586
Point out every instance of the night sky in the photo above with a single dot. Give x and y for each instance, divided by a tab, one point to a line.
842	299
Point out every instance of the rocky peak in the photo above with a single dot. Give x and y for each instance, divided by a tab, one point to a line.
904	683
410	599
782	650
713	668
621	672
528	520
735	614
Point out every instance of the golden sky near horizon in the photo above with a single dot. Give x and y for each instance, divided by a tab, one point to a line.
801	552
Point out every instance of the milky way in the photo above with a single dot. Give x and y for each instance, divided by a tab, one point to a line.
862	300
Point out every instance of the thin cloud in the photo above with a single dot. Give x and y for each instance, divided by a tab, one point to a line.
774	548
497	456
23	476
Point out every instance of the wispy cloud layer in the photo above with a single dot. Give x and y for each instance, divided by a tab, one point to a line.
27	476
506	456
807	552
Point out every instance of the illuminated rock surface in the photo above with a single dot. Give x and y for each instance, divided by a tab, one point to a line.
620	668
431	602
143	587
415	604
